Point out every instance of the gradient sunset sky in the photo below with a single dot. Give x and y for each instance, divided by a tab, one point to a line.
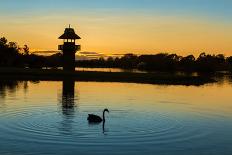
122	26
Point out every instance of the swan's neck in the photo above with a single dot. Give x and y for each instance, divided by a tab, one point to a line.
104	115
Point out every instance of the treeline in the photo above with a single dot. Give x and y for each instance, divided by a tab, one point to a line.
164	62
11	55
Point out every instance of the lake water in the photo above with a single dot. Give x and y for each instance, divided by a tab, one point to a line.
102	69
108	70
41	117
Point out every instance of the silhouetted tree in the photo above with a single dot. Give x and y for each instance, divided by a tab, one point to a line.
10	56
26	50
9	53
210	63
3	41
187	63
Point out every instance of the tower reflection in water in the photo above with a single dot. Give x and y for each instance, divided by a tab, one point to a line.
68	97
68	106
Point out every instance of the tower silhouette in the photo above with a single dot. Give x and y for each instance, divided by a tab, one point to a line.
69	48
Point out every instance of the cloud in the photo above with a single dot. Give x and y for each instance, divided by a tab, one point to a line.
86	53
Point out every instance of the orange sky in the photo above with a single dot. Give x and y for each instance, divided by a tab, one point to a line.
139	33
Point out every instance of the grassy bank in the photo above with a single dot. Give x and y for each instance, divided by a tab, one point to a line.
59	75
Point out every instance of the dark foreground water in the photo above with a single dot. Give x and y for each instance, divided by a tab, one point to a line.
50	118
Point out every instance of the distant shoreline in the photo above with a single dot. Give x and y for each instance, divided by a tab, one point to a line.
129	77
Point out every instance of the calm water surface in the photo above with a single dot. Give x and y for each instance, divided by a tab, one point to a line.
103	69
49	118
108	70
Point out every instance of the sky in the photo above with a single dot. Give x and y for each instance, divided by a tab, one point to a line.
122	26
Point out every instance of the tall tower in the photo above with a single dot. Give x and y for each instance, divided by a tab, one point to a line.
69	48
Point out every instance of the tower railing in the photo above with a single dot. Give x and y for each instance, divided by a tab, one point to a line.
69	48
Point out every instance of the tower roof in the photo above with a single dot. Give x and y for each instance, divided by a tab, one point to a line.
69	33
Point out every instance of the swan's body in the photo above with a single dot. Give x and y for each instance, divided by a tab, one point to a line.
94	118
97	119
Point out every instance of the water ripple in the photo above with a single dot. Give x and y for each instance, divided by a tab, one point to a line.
37	125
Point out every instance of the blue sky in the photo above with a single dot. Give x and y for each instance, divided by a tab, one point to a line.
209	8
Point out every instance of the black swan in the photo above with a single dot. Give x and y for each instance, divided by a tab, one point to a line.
97	119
